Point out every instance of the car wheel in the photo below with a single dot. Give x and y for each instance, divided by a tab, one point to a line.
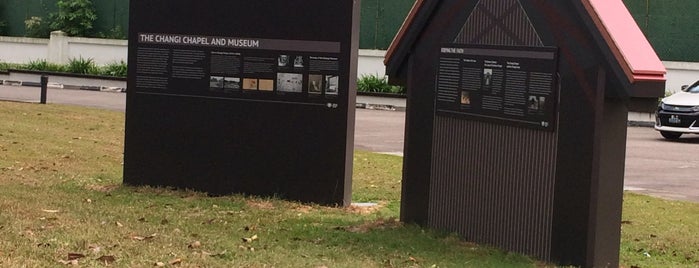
671	135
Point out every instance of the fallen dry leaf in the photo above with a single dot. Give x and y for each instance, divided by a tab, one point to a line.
195	244
118	224
106	259
141	238
244	247
220	254
70	262
75	256
159	264
248	240
94	248
176	261
50	210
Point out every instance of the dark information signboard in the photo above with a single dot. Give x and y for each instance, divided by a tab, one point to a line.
253	97
510	85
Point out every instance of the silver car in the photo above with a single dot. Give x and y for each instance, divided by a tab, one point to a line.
679	114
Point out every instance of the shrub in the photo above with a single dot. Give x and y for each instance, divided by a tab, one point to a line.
4	66
42	65
374	83
115	33
78	66
397	90
37	28
74	17
118	69
81	66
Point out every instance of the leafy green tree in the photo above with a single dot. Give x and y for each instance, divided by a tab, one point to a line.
74	17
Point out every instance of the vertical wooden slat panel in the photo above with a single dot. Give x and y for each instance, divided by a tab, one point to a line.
493	184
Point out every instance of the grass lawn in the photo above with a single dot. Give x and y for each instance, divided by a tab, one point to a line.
62	202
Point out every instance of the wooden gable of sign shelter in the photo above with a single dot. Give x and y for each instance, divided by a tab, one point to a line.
554	193
612	26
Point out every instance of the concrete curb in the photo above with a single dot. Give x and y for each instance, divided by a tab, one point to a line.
62	86
641	124
383	107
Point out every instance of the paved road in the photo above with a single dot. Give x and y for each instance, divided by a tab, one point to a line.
379	131
104	100
653	165
659	167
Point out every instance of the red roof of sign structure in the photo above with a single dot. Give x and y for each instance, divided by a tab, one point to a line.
625	38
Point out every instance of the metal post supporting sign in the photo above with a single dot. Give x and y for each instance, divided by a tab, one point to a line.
44	88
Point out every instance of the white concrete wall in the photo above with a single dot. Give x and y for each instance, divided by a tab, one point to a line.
99	50
680	73
61	48
103	51
371	63
22	49
641	117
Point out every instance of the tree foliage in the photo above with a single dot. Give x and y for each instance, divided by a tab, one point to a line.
74	17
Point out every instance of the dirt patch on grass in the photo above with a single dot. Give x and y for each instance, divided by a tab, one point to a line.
103	188
365	209
303	209
260	204
379	224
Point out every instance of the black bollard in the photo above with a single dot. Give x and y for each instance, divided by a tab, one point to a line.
44	87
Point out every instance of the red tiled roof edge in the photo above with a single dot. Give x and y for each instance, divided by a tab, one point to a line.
626	40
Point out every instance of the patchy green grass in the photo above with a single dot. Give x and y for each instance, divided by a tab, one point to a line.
61	198
659	233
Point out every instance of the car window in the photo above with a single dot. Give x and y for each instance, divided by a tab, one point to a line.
693	89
